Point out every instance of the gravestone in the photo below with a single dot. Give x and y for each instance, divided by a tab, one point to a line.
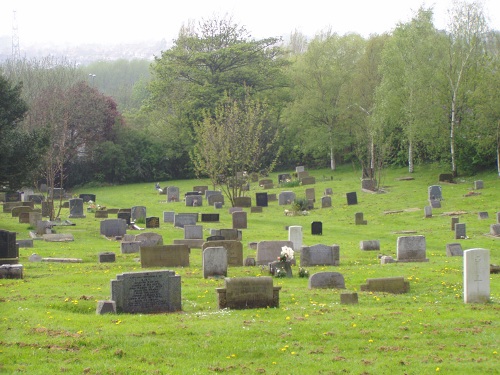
495	230
284	177
34	217
193	232
454	220
107	257
369	245
200	189
445	177
478	184
395	285
11	271
152	222
105	307
194	200
454	250
229	234
25	243
210	218
242	202
482	215
234	250
24	218
265	181
248	293
239	220
311	194
320	255
286	197
358	218
303	174
261	199
128	247
460	231
299	169
168	216
326	280
269	251
147	292
235	209
101	214
113	227
26	193
326	201
173	194
36	198
328	191
369	184
411	249
348	298
435	193
435	203
57	193
149	239
308	180
12	196
182	219
295	237
164	256
138	214
9	251
214	262
124	215
352	198
476	276
428	211
215	198
16	211
8	206
255	209
215	238
316	228
87	197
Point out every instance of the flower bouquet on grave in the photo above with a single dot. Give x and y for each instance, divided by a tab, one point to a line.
282	267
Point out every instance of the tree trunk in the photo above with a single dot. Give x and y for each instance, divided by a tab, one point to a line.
372	155
333	166
452	136
410	157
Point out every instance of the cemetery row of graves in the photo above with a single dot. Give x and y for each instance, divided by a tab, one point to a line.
158	250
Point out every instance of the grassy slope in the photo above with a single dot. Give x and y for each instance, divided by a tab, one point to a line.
48	321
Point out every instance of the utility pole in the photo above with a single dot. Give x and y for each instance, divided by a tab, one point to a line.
16	54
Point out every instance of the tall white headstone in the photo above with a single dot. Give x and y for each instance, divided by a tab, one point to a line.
476	276
295	236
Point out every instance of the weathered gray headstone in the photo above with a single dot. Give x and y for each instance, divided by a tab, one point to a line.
395	285
286	197
454	250
106	307
248	293
299	169
326	201
435	193
482	215
311	194
454	220
330	280
460	231
428	211
212	199
168	216
320	255
149	239
194	200
173	194
182	219
478	184
495	229
138	214
476	276
193	232
128	247
147	292
328	191
269	251
358	218
310	180
369	245
234	250
107	257
214	262
411	249
295	236
76	208
113	227
164	256
239	220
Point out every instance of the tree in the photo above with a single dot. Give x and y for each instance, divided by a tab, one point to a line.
233	143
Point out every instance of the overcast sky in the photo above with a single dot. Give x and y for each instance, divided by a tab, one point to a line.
112	21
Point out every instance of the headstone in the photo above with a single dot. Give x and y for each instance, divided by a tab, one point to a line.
386	259
152	222
284	177
105	307
326	201
445	177
57	193
460	231
328	191
284	268
454	220
36	198
395	285
16	211
286	197
299	169
138	214
454	250
478	184
129	247
168	216
411	249
234	250
200	189
43	227
435	203
215	238
476	276
34	217
498	217
369	184
369	245
218	205
210	218
308	180
194	200
316	228
239	220
295	237
101	214
124	215
147	292
24	218
214	262
164	256
107	257
43	188
25	243
269	251
35	258
303	174
261	199
428	211
58	237
250	262
352	198
435	193
358	217
348	298
266	182
235	209
326	280
255	209
320	255
172	194
149	239
11	271
9	251
482	215
193	232
47	208
87	197
248	293
182	219
215	198
8	206
12	196
229	234
311	194
242	202
495	230
113	227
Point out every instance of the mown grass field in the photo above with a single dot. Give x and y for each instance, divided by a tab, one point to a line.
48	322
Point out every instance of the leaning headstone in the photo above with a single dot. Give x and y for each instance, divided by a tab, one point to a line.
326	201
476	276
358	218
352	198
269	251
478	184
149	239
428	211
460	231
369	245
411	249
286	197
495	230
164	256
248	293
454	250
168	216
214	262
316	228
395	285
147	292
239	220
320	255
107	257
234	250
261	199
295	236
138	214
326	280
113	227
172	194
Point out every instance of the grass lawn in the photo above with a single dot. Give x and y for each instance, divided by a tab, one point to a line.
48	322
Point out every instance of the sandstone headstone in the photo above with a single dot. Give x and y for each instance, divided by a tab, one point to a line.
234	250
395	285
248	293
411	249
164	256
333	280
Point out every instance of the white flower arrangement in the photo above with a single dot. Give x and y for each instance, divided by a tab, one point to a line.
286	254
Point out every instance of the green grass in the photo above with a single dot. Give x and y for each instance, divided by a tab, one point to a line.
48	322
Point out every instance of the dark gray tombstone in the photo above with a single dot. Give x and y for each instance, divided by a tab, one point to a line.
411	249
317	228
9	251
113	227
214	262
370	245
352	198
12	196
152	222
495	230
435	203
435	193
76	208
261	199
454	220
478	184
358	217
107	257
124	215
482	215
210	218
460	231
330	280
217	197
138	214
326	201
87	197
454	250
47	208
286	197
239	220
36	198
182	219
